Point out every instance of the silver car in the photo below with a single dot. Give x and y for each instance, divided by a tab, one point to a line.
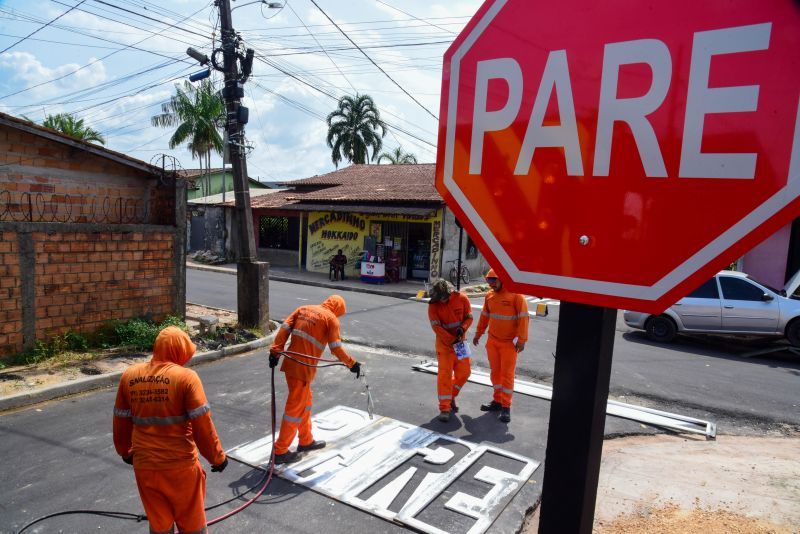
729	303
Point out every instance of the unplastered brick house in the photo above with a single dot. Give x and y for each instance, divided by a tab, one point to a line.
87	235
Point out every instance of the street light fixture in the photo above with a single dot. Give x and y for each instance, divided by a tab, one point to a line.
271	5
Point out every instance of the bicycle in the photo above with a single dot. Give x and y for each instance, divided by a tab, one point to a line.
454	274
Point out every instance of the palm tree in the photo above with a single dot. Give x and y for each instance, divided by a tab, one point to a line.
398	156
353	130
198	113
75	128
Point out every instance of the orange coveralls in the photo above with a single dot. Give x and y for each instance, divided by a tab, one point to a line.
506	315
161	417
453	373
311	327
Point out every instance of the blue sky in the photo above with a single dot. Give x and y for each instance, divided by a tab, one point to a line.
113	62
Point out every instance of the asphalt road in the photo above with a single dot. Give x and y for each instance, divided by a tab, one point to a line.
701	377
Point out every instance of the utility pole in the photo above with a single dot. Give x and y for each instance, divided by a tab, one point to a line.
252	275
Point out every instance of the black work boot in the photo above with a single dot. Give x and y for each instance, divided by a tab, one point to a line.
314	445
287	457
444	417
505	415
453	407
491	406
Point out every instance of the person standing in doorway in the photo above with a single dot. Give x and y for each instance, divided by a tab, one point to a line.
506	315
311	328
161	419
450	314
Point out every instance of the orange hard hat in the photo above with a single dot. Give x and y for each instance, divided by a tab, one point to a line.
491	274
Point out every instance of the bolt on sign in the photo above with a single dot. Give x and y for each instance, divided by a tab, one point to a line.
619	153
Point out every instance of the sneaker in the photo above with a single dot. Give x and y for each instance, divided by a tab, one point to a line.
287	457
453	406
505	415
493	406
314	445
444	417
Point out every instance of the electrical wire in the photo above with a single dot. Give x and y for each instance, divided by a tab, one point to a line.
373	62
41	28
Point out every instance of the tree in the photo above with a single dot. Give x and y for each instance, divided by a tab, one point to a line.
398	156
353	129
75	128
199	113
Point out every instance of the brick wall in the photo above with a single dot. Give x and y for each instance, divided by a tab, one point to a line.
10	295
85	237
84	279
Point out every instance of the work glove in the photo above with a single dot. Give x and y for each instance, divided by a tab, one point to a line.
219	468
273	359
459	333
356	369
128	460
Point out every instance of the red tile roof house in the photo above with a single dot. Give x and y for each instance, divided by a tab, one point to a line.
358	208
87	235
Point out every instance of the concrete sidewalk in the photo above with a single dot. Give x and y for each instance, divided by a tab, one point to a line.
402	289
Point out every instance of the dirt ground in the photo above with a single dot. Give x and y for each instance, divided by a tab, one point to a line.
672	484
648	484
65	368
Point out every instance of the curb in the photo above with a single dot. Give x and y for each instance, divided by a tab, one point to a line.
90	383
314	283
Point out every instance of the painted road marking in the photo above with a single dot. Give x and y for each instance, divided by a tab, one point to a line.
363	466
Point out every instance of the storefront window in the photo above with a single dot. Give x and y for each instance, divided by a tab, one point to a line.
279	232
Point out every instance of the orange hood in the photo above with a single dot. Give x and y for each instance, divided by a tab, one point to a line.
336	304
491	274
173	345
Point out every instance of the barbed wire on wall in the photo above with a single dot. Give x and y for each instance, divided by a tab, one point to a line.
69	208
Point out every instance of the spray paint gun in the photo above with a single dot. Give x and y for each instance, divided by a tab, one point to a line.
370	404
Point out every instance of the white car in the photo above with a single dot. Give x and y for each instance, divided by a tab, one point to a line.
729	303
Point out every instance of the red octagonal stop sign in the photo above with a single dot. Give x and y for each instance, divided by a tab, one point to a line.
618	153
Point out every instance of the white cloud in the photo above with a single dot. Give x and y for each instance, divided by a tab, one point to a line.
27	68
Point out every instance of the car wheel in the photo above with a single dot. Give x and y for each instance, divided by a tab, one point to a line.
662	329
793	333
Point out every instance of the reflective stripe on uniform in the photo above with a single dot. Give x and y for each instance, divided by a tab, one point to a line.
286	327
203	530
445	397
162	531
507	391
497	386
452	325
292	419
160	421
505	317
456	386
435	322
334	344
119	412
200	410
308	337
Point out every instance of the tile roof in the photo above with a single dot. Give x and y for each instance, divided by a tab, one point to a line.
371	183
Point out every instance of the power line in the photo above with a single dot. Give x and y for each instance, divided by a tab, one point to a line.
413	17
376	65
42	27
133	46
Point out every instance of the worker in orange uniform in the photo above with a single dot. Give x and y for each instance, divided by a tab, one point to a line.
450	314
161	419
506	315
311	328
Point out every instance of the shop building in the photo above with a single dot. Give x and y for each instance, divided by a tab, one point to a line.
386	219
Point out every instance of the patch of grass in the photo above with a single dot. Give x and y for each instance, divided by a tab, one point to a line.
136	333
